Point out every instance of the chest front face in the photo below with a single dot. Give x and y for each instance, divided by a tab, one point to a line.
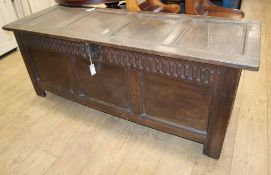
167	93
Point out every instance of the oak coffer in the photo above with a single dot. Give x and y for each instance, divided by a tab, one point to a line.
175	73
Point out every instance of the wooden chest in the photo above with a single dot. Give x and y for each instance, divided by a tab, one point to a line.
175	73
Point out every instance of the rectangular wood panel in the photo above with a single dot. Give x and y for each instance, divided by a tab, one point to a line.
100	23
54	19
177	102
155	30
53	69
204	37
108	85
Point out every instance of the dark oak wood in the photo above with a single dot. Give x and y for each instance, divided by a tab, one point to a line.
169	80
223	99
32	71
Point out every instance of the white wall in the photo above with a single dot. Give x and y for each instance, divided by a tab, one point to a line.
26	7
7	15
22	8
37	5
10	10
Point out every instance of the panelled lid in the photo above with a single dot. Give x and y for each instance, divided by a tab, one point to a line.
219	41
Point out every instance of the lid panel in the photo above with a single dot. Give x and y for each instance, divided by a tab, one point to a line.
214	37
147	29
103	23
55	19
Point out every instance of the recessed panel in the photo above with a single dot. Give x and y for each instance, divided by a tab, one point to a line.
181	103
148	29
99	22
56	18
108	85
53	68
227	38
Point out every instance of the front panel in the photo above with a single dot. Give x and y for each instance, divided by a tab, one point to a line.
53	69
108	85
180	103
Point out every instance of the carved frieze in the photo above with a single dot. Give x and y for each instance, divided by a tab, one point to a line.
62	46
180	69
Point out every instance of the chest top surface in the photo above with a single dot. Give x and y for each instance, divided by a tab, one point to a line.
226	42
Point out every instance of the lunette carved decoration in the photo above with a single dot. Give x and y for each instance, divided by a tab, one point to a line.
179	69
185	70
62	46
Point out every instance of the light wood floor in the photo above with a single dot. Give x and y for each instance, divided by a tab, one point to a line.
55	136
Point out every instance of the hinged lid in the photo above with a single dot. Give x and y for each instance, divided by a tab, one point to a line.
227	42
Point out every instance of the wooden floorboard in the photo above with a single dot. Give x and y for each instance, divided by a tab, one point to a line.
51	135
